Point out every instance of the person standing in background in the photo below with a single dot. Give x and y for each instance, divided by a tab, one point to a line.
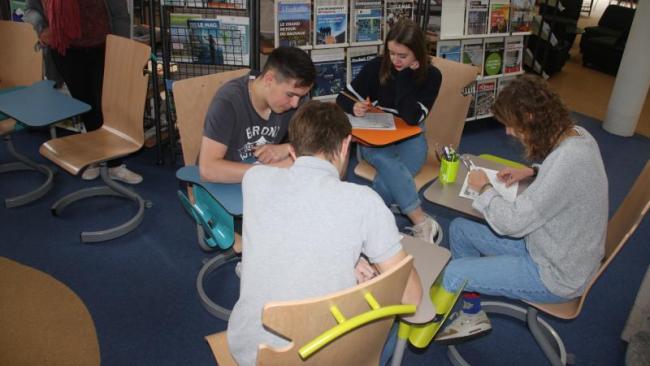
75	32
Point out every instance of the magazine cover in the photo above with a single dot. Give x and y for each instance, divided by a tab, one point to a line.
493	62
512	59
203	41
522	15
476	17
331	23
395	10
449	50
471	112
504	81
499	16
293	23
220	41
179	36
472	53
330	72
452	24
485	95
357	59
366	21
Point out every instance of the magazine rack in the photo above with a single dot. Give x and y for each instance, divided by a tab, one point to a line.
201	37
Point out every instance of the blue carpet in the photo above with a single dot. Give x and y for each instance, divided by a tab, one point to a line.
140	289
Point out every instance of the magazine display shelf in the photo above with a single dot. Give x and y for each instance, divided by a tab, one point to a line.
489	34
201	37
339	35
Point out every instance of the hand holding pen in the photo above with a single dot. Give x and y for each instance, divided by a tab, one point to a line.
361	107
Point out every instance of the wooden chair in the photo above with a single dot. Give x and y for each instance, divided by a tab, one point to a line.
323	330
445	122
621	226
192	99
23	68
123	99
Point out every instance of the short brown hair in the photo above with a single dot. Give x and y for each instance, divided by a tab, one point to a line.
406	32
533	110
318	128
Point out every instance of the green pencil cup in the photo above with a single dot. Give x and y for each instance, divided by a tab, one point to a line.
448	170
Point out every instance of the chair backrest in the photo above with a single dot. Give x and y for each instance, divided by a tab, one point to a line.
23	62
446	120
192	98
125	87
617	17
621	226
302	321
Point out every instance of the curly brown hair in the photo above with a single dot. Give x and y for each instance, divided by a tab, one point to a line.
535	113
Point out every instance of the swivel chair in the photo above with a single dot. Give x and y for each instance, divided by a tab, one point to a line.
123	98
621	226
348	327
215	228
445	122
23	68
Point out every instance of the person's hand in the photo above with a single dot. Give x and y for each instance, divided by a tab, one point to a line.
364	271
477	179
270	153
45	36
361	108
415	65
510	175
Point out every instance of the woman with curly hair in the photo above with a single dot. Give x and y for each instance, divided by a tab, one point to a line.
546	245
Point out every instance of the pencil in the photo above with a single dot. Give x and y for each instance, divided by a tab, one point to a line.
354	99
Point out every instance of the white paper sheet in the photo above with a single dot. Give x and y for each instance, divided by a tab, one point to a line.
373	121
508	193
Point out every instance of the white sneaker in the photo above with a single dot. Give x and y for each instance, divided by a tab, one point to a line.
428	230
91	173
464	326
123	174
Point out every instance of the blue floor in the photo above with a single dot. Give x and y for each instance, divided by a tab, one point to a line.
140	289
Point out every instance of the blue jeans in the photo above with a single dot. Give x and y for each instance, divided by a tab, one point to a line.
396	165
493	264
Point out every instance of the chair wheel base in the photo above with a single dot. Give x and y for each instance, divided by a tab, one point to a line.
210	266
546	337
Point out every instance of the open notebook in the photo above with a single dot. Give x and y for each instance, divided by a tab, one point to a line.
373	121
508	193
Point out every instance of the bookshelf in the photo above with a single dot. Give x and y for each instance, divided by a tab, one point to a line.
489	34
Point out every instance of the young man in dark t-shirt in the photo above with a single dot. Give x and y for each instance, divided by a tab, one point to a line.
248	118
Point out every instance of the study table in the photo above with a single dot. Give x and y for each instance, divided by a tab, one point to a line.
384	137
446	195
38	105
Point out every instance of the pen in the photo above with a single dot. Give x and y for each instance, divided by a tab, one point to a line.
373	108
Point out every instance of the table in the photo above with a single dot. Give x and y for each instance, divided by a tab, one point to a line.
384	137
228	195
37	105
447	194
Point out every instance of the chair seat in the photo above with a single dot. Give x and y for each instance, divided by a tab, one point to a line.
219	345
7	126
75	152
566	310
428	172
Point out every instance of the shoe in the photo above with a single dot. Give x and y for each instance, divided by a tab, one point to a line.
123	174
91	173
464	326
238	269
394	208
429	230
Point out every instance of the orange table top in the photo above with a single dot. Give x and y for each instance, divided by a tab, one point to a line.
384	137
